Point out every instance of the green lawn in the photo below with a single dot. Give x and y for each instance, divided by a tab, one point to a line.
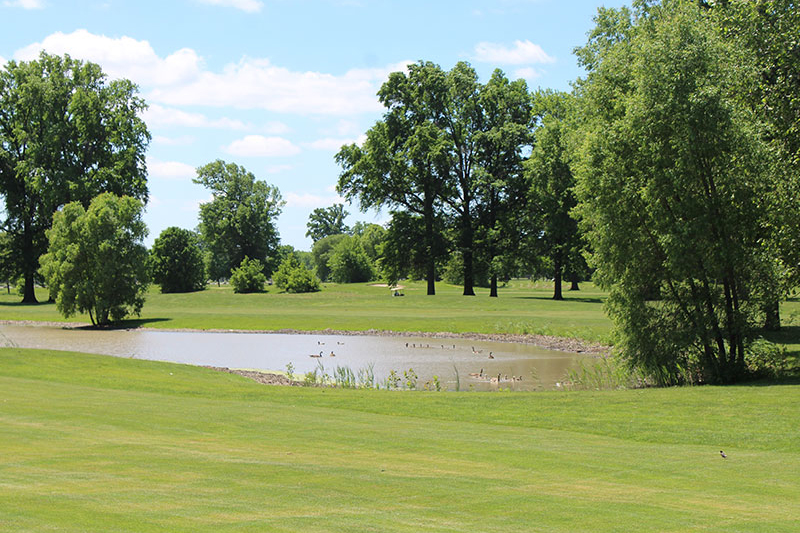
93	443
523	307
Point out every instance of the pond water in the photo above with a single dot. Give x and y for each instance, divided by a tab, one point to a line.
537	367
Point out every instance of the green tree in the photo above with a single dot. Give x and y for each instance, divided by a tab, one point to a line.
96	262
551	193
248	276
501	184
239	221
403	163
294	277
176	261
65	135
326	221
670	188
349	263
321	253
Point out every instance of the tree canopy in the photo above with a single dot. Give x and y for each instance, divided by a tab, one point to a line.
66	134
239	221
670	183
326	221
176	261
96	262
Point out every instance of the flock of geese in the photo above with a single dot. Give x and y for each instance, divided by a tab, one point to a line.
479	375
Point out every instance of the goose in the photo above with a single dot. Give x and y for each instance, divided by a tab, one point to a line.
316	355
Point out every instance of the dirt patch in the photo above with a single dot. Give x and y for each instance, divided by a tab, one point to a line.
265	378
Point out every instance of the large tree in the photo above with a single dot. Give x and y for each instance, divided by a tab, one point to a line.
326	221
403	163
671	187
554	230
96	262
501	184
239	221
66	134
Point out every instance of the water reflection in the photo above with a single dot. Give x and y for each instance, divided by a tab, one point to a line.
461	361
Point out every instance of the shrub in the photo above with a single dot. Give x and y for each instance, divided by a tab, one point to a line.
293	276
248	276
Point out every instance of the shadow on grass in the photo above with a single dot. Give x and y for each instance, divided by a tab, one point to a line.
132	323
567	298
26	304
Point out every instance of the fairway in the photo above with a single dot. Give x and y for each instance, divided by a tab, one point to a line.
93	443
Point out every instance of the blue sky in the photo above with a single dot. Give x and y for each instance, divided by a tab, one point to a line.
279	85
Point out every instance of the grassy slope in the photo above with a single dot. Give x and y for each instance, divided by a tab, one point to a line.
92	443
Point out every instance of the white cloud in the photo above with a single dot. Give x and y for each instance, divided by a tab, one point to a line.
250	6
523	53
307	200
260	146
277	169
528	73
2	61
121	57
258	84
171	170
157	115
25	4
181	79
335	144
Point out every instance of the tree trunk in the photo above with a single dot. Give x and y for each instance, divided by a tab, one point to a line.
29	293
469	275
557	279
430	267
493	287
772	321
574	286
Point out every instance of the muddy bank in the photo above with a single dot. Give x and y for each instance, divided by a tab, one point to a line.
265	378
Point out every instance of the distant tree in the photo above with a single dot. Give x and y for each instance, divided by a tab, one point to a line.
66	134
321	253
248	276
176	261
239	221
551	194
326	221
293	276
9	270
349	263
96	262
371	237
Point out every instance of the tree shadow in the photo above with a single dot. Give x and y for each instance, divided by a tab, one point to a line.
132	323
567	298
26	304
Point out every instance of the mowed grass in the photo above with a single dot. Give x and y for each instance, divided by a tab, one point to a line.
523	307
94	443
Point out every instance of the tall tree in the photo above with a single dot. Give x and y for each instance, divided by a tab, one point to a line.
501	183
551	192
65	135
96	262
403	162
326	221
239	221
670	187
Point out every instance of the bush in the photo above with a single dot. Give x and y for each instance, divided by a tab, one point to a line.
349	263
177	262
248	276
293	276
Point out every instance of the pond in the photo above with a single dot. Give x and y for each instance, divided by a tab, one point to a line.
458	363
